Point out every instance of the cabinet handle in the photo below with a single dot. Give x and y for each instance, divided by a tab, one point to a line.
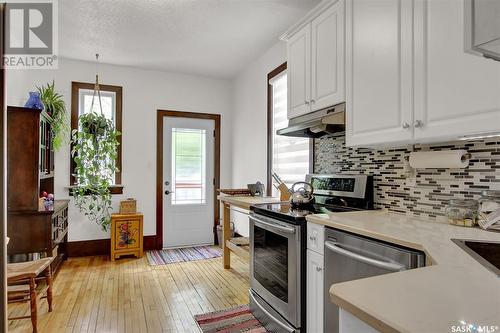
319	269
406	125
313	238
306	102
419	124
313	101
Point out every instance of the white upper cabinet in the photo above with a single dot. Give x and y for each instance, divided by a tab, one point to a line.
327	60
315	60
456	93
409	78
378	71
299	72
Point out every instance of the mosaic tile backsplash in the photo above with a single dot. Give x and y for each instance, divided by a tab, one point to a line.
433	188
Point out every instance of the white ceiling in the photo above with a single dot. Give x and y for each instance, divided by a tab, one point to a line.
208	37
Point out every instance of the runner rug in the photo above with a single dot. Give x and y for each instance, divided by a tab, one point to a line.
233	320
170	256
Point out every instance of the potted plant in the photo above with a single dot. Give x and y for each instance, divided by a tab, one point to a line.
56	108
94	151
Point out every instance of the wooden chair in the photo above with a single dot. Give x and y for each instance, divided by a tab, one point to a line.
21	280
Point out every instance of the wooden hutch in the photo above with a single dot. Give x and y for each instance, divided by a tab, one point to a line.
34	231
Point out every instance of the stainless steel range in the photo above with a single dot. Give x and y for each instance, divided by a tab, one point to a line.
278	248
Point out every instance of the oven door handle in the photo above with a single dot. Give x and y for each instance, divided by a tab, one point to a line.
333	246
267	313
279	227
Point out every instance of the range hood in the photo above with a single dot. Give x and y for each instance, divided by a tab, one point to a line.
482	28
316	124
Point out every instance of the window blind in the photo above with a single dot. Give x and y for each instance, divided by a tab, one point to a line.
290	155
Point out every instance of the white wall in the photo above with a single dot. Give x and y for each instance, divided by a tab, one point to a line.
249	120
144	91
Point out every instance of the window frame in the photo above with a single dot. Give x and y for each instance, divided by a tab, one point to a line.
117	187
275	72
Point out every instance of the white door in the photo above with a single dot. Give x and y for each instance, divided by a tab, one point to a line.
299	73
315	291
456	93
378	71
188	173
327	60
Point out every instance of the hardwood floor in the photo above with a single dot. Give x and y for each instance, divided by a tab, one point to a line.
93	294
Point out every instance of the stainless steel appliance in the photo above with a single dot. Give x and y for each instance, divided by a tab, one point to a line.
278	248
316	124
482	27
350	257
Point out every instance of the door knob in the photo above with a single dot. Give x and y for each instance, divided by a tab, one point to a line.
167	192
167	183
419	124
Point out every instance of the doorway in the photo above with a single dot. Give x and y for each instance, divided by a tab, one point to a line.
188	173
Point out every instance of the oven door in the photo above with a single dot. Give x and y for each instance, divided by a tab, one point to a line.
275	265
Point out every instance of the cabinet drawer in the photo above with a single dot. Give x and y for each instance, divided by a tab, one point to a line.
315	237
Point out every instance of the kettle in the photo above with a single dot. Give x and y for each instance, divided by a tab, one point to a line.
302	194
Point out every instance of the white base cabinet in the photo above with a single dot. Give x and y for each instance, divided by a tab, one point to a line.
315	264
351	324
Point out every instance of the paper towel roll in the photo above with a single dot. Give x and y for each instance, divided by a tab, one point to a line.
446	159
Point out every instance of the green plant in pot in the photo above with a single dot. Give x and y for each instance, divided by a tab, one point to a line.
94	151
56	108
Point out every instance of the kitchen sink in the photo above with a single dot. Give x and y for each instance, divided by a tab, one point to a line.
485	252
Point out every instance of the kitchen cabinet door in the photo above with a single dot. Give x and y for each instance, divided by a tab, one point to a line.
315	268
299	73
456	93
327	60
378	71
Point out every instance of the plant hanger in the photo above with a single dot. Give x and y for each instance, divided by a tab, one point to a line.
97	90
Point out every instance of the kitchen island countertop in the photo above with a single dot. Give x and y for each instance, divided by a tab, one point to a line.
453	291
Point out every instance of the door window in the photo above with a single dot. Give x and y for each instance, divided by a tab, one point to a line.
188	166
271	262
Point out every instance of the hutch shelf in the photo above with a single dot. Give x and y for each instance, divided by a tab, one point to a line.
34	231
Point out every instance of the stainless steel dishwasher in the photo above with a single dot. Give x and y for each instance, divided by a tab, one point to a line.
351	257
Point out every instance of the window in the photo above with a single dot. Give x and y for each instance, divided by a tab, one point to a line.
188	166
111	98
289	157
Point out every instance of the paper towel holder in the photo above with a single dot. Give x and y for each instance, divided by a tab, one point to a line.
466	157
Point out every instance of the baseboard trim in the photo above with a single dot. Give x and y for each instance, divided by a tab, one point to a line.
99	247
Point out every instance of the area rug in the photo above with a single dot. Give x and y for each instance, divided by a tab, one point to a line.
170	256
233	320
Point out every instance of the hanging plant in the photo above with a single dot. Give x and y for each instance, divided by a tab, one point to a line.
94	151
56	108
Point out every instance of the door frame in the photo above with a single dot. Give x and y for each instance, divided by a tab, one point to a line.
159	165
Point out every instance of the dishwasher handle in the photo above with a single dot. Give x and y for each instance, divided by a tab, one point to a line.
279	227
334	246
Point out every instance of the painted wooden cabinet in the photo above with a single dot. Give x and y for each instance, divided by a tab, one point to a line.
315	61
299	73
378	71
408	77
327	59
456	93
314	292
126	235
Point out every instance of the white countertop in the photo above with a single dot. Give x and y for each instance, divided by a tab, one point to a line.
246	201
431	299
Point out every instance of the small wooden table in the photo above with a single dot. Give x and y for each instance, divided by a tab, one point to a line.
238	245
126	235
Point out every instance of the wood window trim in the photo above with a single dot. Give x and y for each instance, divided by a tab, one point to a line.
117	188
275	72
